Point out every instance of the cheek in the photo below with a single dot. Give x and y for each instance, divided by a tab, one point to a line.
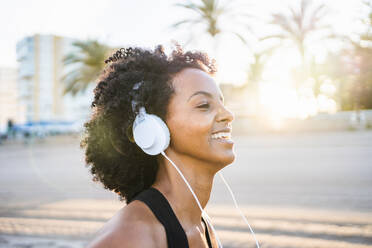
190	133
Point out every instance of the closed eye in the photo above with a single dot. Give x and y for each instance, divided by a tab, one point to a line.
206	105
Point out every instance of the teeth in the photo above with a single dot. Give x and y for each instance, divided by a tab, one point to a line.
221	135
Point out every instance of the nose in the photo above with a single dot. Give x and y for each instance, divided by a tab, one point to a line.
225	115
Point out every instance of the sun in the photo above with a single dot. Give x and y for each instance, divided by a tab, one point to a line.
280	99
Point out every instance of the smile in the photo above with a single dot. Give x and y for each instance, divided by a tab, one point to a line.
222	137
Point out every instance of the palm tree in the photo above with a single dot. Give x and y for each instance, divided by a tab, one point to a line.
209	13
300	25
256	68
87	62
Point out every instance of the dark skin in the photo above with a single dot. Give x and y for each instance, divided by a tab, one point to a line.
195	111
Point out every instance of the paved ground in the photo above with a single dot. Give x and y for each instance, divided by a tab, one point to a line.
297	190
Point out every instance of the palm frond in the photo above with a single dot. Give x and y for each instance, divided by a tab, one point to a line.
274	36
209	12
315	17
283	22
297	18
183	22
304	7
191	6
241	38
87	61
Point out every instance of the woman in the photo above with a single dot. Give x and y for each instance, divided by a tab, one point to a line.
179	88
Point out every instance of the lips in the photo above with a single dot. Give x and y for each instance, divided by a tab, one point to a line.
223	140
225	130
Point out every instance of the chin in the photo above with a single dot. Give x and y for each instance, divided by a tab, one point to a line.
223	152
226	158
230	158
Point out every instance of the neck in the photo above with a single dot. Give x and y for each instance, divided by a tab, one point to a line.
170	183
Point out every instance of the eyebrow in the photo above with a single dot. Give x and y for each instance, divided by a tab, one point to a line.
204	93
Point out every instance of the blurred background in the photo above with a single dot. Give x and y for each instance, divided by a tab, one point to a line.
296	73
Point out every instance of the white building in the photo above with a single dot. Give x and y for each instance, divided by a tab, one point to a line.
9	106
40	71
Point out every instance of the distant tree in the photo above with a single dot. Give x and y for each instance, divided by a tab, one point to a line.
366	36
299	25
250	89
210	14
86	63
337	67
362	90
359	90
256	68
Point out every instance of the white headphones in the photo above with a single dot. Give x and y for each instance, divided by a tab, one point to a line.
150	133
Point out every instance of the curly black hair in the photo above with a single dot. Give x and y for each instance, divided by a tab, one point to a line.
113	157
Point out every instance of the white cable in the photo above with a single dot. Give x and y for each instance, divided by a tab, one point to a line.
237	207
195	197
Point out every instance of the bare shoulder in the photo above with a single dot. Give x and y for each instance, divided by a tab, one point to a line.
132	226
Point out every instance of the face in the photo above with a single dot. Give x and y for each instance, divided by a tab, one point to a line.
198	121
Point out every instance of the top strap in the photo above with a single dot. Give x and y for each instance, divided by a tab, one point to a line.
159	205
176	236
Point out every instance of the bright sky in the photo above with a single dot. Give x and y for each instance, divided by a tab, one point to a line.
141	22
146	23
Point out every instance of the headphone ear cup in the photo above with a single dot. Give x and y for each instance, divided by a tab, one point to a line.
151	134
165	132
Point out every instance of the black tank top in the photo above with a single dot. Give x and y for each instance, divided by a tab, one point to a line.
159	205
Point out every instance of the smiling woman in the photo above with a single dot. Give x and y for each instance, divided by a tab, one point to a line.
180	90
